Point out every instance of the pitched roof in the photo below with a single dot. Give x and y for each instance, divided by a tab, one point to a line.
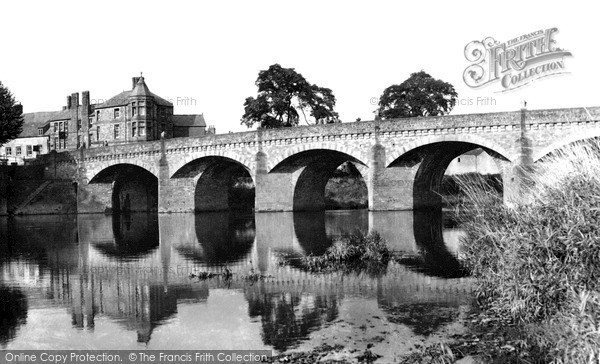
140	89
189	120
33	121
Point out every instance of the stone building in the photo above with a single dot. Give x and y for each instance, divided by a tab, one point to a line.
131	116
475	161
30	143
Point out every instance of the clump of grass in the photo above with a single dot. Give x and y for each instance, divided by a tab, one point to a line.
533	260
352	253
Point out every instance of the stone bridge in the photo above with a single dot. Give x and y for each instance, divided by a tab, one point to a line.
401	161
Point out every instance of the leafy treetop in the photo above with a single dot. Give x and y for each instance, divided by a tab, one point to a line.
284	97
11	116
419	95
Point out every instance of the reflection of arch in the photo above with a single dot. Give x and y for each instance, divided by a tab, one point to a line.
572	138
134	188
434	259
223	237
311	233
314	168
491	147
317	230
278	158
222	183
136	235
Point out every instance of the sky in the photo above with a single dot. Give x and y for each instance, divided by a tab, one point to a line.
205	56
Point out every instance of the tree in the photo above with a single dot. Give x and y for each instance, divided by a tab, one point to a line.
419	95
284	94
11	116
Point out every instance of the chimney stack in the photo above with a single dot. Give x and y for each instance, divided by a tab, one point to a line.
85	99
134	81
19	108
68	102
74	100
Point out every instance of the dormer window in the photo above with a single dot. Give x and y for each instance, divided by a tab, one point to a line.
40	131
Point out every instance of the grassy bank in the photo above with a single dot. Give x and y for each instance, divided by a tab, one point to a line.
537	265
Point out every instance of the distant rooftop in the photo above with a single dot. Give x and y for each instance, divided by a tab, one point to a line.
139	89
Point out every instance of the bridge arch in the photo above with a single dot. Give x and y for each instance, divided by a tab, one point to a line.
176	163
422	165
570	139
133	188
220	183
360	155
309	171
488	145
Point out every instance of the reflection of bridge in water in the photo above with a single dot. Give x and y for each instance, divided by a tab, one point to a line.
135	269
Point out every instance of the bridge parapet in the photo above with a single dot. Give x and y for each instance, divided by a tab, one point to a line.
395	128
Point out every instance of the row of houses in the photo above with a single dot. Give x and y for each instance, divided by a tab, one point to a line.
131	116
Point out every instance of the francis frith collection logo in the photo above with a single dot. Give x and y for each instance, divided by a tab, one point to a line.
514	63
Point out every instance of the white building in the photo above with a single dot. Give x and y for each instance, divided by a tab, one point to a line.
475	161
24	148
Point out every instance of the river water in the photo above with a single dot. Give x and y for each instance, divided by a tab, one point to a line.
123	282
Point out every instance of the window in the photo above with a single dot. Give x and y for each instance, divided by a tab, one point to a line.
78	141
133	129
55	127
458	160
142	128
150	130
90	122
117	113
29	149
97	115
133	109
8	150
142	108
55	142
91	137
18	150
78	124
116	134
98	133
40	131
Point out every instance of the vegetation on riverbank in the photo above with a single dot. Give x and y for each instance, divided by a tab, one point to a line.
454	195
350	253
537	264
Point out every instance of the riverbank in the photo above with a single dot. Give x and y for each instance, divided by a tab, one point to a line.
536	264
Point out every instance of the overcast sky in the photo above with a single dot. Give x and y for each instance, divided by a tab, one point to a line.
205	56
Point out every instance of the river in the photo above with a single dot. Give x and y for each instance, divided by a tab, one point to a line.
123	282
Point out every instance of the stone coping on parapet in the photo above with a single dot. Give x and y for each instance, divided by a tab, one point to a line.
407	127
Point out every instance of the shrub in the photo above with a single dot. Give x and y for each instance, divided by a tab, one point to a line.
352	253
532	260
